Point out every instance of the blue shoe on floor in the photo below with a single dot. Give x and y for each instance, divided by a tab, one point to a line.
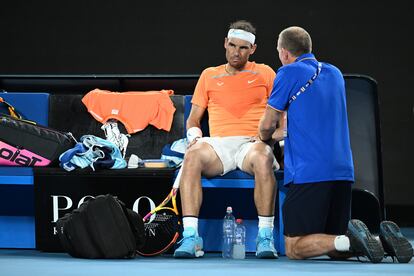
394	243
191	246
363	242
265	248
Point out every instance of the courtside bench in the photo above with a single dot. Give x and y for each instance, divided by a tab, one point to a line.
44	193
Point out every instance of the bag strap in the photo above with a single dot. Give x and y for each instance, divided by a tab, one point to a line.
297	94
308	83
12	111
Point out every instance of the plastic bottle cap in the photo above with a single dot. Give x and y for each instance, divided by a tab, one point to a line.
229	209
239	221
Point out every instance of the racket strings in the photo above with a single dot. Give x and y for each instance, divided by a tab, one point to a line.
161	232
161	227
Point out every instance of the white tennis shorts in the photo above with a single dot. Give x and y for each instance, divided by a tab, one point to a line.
232	150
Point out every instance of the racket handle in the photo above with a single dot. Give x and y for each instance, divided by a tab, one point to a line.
147	216
175	187
178	178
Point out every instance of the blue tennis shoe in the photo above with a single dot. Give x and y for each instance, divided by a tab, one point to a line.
363	242
191	245
265	248
394	243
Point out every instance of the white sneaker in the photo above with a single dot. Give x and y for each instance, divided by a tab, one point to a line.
113	135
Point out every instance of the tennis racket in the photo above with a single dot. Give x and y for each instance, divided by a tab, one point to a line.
13	113
162	224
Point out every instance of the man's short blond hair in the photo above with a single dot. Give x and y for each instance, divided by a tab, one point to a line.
296	40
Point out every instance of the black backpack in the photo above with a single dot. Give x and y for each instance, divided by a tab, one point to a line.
101	228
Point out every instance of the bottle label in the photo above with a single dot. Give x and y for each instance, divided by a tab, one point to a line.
238	238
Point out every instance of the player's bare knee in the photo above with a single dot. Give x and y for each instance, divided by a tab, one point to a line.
292	254
193	154
290	248
262	161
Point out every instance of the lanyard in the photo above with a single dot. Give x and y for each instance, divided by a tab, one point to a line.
303	88
296	95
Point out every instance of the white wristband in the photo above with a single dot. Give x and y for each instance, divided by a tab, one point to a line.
193	133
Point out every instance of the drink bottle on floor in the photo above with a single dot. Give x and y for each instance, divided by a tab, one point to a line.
239	245
228	233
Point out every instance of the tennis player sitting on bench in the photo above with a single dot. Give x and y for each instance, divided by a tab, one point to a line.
235	95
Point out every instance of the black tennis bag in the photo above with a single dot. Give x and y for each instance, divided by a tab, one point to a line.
101	228
24	143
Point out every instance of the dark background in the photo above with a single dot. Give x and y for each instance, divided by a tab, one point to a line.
183	37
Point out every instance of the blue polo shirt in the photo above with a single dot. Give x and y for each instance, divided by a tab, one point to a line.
317	146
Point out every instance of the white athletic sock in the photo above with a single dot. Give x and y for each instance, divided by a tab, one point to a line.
342	243
266	222
191	222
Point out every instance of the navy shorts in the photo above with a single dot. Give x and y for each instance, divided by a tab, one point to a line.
322	207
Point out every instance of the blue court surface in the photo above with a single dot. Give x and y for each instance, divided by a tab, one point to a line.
31	262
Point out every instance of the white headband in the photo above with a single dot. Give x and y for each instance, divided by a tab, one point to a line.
241	34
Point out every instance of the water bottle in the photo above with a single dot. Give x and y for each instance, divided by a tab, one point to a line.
239	245
228	233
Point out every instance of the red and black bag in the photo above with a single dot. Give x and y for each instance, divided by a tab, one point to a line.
24	143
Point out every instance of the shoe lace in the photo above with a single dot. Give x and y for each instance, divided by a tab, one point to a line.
265	241
185	240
